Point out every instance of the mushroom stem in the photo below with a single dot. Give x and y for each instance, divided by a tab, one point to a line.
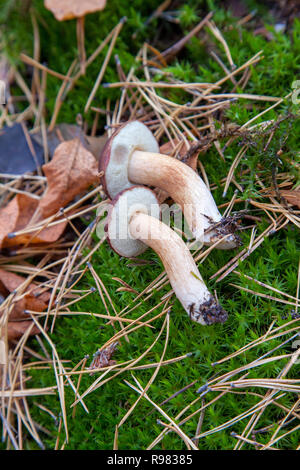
187	189
181	269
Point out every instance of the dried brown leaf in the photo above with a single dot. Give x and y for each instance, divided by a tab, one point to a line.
71	171
17	215
16	329
35	299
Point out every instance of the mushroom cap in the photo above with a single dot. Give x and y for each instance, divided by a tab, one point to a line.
116	153
129	201
69	9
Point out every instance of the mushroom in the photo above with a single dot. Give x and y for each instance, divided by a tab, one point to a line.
131	156
70	9
133	225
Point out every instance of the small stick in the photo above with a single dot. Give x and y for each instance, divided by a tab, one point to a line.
200	421
174	50
178	393
233	167
31	147
18	191
297	291
223	66
256	58
155	14
279	101
59	101
246	18
80	43
42	97
216	32
23	177
145	84
99	49
78	383
28	60
104	65
36	54
249	441
22	84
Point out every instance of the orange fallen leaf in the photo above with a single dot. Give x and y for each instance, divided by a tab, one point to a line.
71	171
17	215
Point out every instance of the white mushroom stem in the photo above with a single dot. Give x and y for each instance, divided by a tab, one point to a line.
186	188
181	269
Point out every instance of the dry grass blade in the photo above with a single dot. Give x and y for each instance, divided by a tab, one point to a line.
167	325
104	65
35	63
98	383
142	392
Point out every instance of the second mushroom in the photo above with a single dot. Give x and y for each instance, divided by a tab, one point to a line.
133	225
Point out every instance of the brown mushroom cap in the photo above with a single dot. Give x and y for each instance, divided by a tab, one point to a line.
128	202
69	9
116	154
